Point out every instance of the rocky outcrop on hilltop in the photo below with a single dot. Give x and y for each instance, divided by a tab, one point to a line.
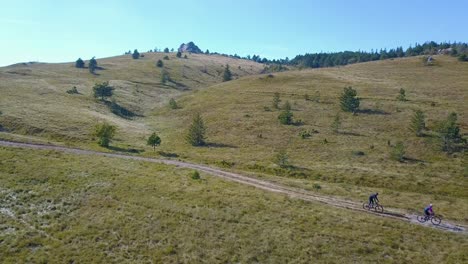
189	47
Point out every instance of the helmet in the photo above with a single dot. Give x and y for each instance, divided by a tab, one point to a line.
377	193
430	205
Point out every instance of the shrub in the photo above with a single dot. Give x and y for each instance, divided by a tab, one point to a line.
336	125
417	123
349	101
398	152
73	90
305	134
166	50
154	140
102	90
463	57
164	76
286	117
282	159
79	63
276	100
197	131
166	57
159	64
449	133
402	95
358	153
185	57
195	175
173	104
317	186
179	54
105	133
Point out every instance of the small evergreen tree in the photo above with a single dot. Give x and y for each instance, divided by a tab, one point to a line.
402	95
449	133
197	130
159	64
463	57
166	50
135	55
79	63
179	54
348	100
185	56
227	75
286	116
173	104
398	152
417	123
207	52
282	159
92	65
164	76
336	123
154	140
102	90
276	100
166	57
105	133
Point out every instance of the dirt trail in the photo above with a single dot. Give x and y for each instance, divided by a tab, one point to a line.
261	184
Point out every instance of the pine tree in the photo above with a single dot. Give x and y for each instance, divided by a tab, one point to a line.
135	55
154	140
179	54
159	64
398	152
286	116
166	50
349	101
449	133
92	65
197	130
105	133
282	159
79	63
102	90
402	95
227	75
173	104
417	123
336	123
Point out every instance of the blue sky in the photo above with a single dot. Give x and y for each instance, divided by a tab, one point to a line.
57	31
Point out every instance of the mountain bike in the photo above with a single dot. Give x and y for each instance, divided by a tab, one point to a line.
375	206
435	220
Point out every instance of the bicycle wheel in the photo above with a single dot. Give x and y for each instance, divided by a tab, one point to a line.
436	220
365	206
421	218
378	208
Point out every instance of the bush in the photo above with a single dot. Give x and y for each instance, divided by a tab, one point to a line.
159	64
335	126
105	133
73	90
463	57
173	104
305	134
417	123
398	152
166	50
179	54
286	117
317	186
164	76
166	57
195	175
402	95
135	55
449	133
282	159
185	57
154	140
358	153
276	100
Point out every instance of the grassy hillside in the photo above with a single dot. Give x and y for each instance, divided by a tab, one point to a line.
66	208
34	99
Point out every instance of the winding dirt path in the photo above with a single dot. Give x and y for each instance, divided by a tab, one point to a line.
261	184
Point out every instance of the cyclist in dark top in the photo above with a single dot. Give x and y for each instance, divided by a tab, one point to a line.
373	199
428	210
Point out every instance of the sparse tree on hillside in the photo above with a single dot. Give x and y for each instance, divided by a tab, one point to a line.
276	100
136	54
336	125
79	63
164	76
463	57
102	90
172	49
197	130
349	101
449	133
154	140
417	123
179	54
166	50
92	65
227	75
286	116
105	133
185	56
207	52
159	64
402	95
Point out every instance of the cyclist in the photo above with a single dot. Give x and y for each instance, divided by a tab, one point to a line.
428	211
373	199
